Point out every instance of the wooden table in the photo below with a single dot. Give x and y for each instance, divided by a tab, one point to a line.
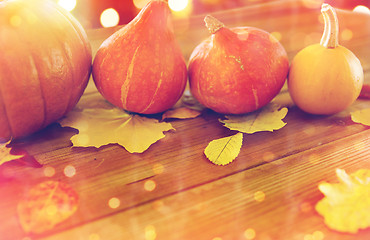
191	198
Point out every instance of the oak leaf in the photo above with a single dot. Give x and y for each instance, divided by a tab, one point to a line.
361	116
46	205
103	125
346	204
223	151
269	118
5	155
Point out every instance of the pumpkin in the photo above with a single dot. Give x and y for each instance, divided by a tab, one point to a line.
237	70
140	68
45	64
325	78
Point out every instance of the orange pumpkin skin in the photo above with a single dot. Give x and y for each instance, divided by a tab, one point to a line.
140	68
325	78
237	70
45	64
325	81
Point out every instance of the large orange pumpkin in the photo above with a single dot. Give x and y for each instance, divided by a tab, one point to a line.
45	64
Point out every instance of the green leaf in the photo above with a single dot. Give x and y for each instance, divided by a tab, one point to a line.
224	150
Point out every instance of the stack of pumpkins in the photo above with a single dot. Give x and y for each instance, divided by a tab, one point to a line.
45	64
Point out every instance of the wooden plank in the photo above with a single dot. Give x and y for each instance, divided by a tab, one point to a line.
191	192
227	207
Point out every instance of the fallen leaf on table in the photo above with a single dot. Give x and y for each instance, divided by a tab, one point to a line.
102	126
361	116
269	118
181	113
5	155
223	151
46	205
346	204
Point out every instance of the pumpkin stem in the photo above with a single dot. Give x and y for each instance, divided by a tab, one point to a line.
330	36
213	24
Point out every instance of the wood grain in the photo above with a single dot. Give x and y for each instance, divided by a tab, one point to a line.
192	198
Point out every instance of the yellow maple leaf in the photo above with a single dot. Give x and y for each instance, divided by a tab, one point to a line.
269	118
361	116
181	113
107	124
5	155
223	151
46	205
346	204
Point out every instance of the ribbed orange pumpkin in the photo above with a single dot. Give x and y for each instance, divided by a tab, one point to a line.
45	64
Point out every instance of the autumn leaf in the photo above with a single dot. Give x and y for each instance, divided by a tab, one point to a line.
181	113
5	155
103	125
46	205
269	118
224	150
346	204
361	116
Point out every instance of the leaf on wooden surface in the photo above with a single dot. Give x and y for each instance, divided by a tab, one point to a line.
102	126
223	151
46	205
346	204
269	118
5	155
361	116
181	113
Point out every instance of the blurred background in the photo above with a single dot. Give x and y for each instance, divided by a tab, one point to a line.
109	13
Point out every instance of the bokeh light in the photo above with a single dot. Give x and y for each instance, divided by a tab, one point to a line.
249	234
139	4
259	196
114	203
362	9
149	185
69	171
109	18
68	5
150	232
178	5
158	168
49	171
346	34
15	21
94	236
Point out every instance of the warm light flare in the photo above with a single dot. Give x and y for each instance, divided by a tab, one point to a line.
109	18
68	5
139	4
362	9
178	5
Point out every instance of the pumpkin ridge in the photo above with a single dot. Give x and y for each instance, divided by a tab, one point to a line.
46	120
155	93
41	89
79	30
